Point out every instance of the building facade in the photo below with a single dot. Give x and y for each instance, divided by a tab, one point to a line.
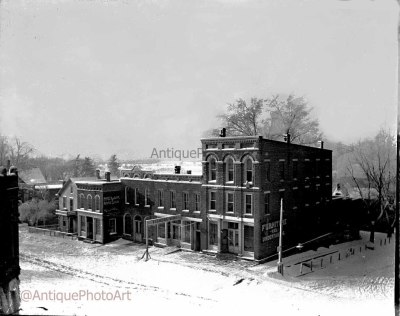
234	206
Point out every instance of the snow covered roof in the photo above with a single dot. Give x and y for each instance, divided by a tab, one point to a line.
32	176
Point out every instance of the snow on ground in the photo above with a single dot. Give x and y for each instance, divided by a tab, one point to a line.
184	282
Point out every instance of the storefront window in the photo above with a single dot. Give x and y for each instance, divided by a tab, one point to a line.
248	238
176	226
186	232
213	234
161	230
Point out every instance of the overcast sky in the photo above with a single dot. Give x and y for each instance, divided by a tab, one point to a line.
100	77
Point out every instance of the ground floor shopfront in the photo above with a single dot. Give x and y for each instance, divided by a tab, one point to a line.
230	235
67	221
96	227
184	232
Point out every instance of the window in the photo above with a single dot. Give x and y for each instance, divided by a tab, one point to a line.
213	234
161	230
267	197
172	199
64	202
97	203
127	224
197	202
185	196
268	170
229	202
295	169
136	196
248	208
176	227
317	168
296	197
212	200
229	170
146	197
71	204
89	202
112	226
248	238
307	195
281	169
213	169
249	170
126	195
81	201
186	231
160	198
281	198
307	168
83	224
98	227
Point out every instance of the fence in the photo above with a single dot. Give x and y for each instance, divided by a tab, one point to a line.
322	261
51	230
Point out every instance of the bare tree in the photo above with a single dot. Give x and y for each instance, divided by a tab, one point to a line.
291	115
4	150
20	152
372	167
242	118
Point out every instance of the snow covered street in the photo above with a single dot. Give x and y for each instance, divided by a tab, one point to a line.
175	281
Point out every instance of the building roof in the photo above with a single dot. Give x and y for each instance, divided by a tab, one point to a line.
32	176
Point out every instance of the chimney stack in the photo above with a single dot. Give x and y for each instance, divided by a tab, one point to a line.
98	173
222	133
177	169
8	164
321	144
189	172
108	176
286	138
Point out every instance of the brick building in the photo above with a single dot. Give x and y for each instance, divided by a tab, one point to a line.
9	245
91	208
234	205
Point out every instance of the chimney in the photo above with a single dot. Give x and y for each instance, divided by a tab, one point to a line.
321	144
189	172
222	133
177	169
286	138
98	173
108	176
8	164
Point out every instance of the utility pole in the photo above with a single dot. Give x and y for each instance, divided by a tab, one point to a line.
396	225
280	264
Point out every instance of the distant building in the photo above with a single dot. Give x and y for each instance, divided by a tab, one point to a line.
28	179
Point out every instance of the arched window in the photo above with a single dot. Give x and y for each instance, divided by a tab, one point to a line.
81	201
97	203
213	169
248	165
229	170
127	224
89	202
